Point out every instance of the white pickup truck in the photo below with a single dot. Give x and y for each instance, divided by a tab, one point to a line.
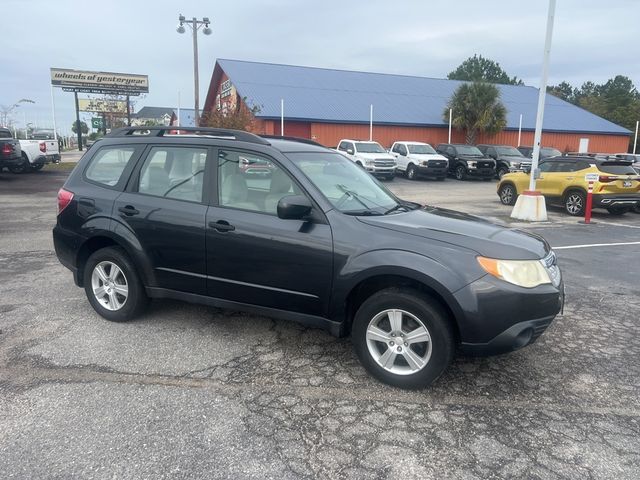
36	153
417	158
370	156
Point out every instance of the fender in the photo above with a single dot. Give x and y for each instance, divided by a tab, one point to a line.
440	278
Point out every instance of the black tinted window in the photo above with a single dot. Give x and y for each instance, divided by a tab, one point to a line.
617	168
5	134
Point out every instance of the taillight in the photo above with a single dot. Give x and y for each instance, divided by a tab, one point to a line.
607	178
7	149
64	199
43	147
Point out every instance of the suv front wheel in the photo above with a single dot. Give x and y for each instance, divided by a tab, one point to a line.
112	285
461	172
402	338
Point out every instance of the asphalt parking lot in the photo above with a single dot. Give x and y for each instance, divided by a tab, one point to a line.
194	392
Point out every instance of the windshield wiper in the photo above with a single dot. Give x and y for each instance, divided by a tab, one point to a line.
363	213
352	194
398	207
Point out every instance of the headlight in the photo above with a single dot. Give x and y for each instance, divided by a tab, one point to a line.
472	164
515	165
368	162
524	273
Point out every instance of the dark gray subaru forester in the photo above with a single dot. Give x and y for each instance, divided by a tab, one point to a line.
290	229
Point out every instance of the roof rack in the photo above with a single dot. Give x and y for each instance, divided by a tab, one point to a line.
161	131
293	139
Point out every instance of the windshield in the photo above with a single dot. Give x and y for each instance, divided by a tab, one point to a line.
509	151
419	149
468	150
362	147
347	186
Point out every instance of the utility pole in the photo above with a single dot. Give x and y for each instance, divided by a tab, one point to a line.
195	25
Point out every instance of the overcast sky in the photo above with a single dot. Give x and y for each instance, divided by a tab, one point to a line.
593	40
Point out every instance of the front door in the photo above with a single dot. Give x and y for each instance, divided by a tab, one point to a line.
256	258
165	210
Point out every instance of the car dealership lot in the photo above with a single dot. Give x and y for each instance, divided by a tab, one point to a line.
190	391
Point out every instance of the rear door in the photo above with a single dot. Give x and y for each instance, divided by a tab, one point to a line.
164	208
254	257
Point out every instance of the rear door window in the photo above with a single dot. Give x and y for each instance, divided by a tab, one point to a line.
174	172
108	163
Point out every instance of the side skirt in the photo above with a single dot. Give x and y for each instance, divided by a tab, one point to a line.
335	328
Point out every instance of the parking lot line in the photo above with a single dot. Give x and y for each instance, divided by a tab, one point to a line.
569	247
621	225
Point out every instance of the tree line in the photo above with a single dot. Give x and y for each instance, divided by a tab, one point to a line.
477	107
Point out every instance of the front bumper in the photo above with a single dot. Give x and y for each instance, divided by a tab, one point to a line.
616	200
499	317
428	171
381	171
481	172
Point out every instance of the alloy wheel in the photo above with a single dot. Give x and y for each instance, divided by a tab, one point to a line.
109	285
574	204
399	342
506	194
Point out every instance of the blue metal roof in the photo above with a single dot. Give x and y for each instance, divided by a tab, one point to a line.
327	95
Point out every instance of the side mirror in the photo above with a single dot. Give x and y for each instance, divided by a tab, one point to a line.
350	151
294	207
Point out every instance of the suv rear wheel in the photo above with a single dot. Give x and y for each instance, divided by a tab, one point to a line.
402	338
112	285
574	203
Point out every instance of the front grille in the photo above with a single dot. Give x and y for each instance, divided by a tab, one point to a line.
485	165
384	163
437	163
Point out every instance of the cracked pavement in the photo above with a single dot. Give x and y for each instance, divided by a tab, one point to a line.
188	391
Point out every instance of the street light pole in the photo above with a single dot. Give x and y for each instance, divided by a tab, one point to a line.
195	25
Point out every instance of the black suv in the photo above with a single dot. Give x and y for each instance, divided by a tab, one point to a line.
507	158
545	152
467	161
149	214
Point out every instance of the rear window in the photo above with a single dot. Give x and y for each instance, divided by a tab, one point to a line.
5	134
108	163
616	168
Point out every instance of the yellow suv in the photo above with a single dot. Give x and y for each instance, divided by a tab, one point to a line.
562	182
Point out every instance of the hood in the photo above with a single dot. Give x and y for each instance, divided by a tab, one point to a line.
373	156
473	233
427	156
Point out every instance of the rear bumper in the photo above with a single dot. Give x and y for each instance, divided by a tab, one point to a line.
10	161
616	200
66	245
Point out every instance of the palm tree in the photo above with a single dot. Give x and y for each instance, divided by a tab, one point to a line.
476	109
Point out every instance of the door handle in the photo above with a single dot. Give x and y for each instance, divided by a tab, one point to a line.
129	210
222	226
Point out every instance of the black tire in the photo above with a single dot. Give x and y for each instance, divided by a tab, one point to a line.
636	209
136	300
618	210
502	171
411	172
37	166
429	312
507	194
22	167
574	203
461	172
